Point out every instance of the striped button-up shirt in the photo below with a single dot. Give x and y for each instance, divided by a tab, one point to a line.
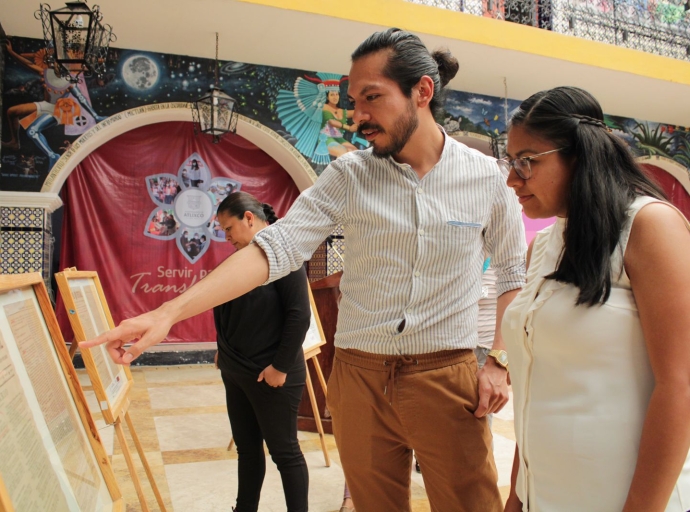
414	248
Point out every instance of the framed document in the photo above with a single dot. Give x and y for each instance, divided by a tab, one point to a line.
89	316
51	456
315	337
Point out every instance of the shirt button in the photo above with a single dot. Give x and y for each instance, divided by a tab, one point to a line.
421	232
420	191
417	274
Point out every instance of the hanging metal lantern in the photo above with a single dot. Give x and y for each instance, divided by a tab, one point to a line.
76	39
215	113
498	145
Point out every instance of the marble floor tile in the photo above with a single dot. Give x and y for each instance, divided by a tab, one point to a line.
193	431
504	452
179	411
507	412
417	478
127	487
210	486
200	455
306	436
171	397
420	505
503	428
168	374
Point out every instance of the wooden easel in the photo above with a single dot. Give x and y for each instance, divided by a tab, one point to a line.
38	331
312	347
115	409
311	355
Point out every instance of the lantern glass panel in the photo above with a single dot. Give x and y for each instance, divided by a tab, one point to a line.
71	33
205	117
75	39
215	112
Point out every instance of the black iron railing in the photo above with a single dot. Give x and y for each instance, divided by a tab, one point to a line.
661	27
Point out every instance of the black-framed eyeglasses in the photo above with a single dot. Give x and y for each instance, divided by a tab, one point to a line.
522	165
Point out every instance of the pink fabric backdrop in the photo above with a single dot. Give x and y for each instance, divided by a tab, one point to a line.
109	207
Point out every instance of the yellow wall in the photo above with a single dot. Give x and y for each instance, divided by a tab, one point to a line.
495	33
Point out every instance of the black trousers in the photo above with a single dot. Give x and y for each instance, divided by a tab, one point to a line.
259	412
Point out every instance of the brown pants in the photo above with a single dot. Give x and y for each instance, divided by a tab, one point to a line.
384	407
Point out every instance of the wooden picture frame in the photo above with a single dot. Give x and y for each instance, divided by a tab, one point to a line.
89	316
51	455
315	337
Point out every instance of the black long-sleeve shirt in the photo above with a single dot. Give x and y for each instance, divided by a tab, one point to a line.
265	326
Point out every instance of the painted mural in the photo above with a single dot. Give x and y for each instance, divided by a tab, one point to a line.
476	113
653	139
313	114
42	114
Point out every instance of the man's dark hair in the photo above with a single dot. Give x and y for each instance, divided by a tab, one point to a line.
409	60
605	181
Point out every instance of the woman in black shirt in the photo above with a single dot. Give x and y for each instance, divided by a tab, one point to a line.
260	356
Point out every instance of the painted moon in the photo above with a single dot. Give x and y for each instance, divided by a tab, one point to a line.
140	72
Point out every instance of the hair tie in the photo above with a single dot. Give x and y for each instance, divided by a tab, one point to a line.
582	119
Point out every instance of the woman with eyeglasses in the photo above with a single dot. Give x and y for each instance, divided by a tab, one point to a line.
599	337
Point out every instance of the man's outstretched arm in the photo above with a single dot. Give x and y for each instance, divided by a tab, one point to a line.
240	273
288	243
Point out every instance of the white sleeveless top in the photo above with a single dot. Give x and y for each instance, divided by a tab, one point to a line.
581	382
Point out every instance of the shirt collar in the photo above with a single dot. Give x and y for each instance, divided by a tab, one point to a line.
444	151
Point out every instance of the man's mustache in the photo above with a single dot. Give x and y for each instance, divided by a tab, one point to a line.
369	126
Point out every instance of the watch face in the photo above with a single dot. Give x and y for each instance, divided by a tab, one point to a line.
503	358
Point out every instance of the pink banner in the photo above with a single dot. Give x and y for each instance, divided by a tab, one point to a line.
140	211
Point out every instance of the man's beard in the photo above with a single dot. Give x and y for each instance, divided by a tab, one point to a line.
403	129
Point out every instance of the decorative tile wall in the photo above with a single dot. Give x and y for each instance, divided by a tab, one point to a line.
21	217
334	262
22	240
325	260
21	252
316	267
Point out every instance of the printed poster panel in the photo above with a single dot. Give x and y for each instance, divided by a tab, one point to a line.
314	337
94	322
46	460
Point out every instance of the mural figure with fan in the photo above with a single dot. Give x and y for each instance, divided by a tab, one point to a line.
311	113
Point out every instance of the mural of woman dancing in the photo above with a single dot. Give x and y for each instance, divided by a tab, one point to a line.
311	114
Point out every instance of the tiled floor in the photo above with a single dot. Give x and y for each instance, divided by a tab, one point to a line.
180	417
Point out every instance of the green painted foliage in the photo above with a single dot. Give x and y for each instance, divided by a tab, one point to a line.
651	142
